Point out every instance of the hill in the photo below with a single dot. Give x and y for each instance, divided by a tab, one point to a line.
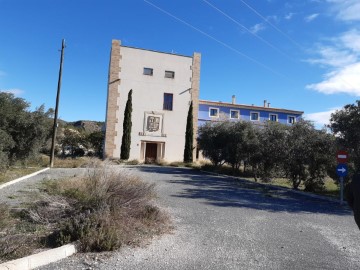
87	126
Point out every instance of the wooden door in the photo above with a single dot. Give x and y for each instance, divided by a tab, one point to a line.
151	152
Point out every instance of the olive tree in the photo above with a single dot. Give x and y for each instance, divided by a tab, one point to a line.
212	136
321	159
23	132
345	124
310	153
273	149
241	142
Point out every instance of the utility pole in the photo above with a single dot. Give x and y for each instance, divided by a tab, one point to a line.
57	106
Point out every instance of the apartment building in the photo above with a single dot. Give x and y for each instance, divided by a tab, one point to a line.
258	115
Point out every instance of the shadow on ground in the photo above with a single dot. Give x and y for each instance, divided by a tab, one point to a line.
230	192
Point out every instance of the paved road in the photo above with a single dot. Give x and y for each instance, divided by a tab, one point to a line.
223	224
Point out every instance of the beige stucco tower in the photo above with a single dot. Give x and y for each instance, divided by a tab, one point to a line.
163	86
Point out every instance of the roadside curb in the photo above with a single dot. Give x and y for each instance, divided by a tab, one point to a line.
22	178
277	187
40	259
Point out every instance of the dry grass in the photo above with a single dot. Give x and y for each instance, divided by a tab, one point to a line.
38	163
133	162
17	239
101	212
126	162
6	219
16	172
68	162
79	162
330	188
106	210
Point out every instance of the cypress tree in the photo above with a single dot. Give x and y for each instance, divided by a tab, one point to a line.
126	138
189	136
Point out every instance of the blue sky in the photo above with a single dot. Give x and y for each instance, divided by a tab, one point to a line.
302	55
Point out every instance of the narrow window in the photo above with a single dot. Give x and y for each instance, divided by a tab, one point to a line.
254	116
169	74
273	117
291	119
168	102
234	114
148	71
214	112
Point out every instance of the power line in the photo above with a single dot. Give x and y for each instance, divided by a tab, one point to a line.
287	36
247	29
272	25
217	40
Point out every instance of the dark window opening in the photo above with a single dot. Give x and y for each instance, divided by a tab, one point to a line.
254	116
148	71
169	74
273	117
234	114
214	112
291	119
168	102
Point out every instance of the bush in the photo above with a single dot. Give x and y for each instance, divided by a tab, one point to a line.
4	162
101	212
106	210
16	239
133	162
6	218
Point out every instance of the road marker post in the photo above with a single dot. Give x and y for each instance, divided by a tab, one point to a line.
342	171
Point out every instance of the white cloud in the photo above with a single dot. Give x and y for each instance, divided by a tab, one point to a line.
343	59
16	92
257	28
320	118
333	57
311	17
273	18
345	80
289	16
348	10
351	40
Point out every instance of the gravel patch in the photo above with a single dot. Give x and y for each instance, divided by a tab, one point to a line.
15	194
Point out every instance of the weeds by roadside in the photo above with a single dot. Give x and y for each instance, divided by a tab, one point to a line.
15	172
17	238
33	165
100	212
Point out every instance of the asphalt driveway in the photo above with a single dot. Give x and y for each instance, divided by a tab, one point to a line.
225	224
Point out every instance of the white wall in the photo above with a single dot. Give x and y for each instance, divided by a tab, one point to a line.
148	92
